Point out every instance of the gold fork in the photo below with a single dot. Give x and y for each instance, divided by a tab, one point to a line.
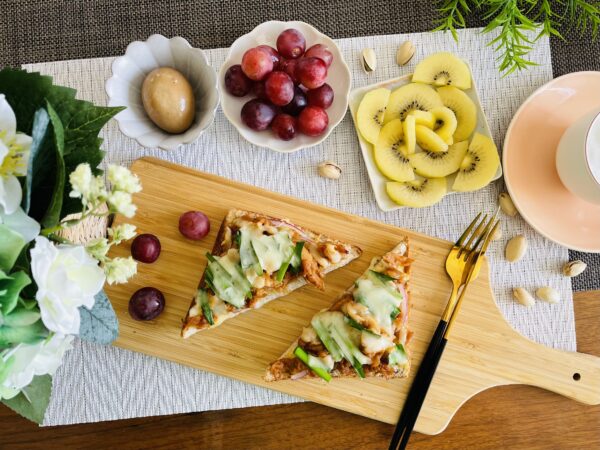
462	265
460	257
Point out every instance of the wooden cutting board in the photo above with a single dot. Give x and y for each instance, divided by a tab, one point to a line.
483	351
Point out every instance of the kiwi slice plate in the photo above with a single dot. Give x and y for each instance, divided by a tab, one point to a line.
379	182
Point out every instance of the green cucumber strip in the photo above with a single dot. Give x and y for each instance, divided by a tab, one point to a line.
283	269
296	261
354	324
237	238
305	358
398	355
395	313
382	276
384	280
209	283
347	351
328	342
224	284
202	298
237	278
248	256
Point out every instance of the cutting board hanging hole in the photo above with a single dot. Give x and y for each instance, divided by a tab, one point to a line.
576	376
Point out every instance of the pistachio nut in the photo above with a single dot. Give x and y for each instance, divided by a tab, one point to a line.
328	169
369	60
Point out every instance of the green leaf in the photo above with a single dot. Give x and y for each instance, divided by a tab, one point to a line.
82	121
38	135
10	288
22	317
52	215
29	334
11	244
33	399
100	324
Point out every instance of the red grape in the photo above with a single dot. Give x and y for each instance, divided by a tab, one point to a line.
236	82
257	63
258	115
279	88
289	66
272	52
320	51
311	72
322	96
259	90
145	248
284	126
313	121
194	225
146	304
297	104
291	43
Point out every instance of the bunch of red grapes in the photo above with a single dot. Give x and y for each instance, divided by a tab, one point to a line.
289	86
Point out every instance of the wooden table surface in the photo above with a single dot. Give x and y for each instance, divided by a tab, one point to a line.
511	417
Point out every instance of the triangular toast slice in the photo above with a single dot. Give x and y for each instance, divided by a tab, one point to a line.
364	333
256	259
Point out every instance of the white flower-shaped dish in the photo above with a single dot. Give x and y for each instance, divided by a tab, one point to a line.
338	77
125	86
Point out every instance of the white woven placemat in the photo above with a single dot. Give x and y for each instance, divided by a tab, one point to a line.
98	383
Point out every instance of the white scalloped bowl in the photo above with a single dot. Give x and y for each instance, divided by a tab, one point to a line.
125	85
338	77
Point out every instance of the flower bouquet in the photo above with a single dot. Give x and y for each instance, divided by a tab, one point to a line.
50	288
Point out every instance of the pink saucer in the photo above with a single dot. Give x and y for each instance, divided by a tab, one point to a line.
529	161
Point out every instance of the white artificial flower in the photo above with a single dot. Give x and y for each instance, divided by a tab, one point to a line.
119	270
21	223
86	186
24	361
121	233
81	181
98	248
67	278
122	179
121	202
14	158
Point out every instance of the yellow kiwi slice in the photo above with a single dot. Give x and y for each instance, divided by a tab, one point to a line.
410	134
439	164
410	97
390	152
423	118
417	193
464	109
479	165
369	117
429	139
445	123
443	69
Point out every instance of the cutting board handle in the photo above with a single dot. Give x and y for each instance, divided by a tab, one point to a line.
574	375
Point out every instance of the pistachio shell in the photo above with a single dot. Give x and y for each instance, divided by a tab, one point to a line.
523	297
515	248
548	294
574	268
369	60
405	53
328	169
506	205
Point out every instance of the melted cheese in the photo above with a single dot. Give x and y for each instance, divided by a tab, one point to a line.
379	301
374	344
271	250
